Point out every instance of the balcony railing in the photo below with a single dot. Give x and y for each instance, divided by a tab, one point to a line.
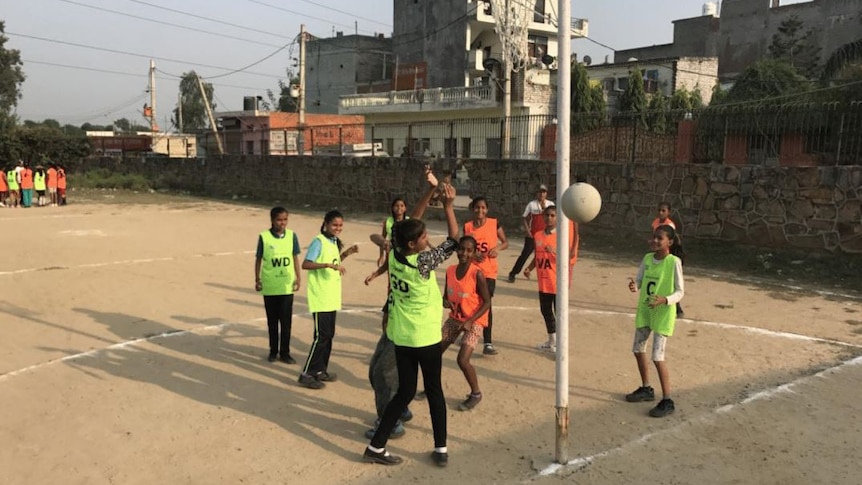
427	99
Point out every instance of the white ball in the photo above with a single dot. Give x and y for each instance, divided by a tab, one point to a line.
581	202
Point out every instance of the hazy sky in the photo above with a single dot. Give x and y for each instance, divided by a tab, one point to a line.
75	83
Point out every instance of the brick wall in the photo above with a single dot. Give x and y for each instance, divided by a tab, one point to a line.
811	208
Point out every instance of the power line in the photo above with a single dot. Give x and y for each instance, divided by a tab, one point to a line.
303	14
242	69
208	19
146	56
346	13
147	19
130	74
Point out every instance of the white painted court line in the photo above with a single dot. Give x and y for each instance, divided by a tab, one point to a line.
123	262
130	343
728	326
582	462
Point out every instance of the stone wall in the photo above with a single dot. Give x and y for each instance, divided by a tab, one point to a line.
810	208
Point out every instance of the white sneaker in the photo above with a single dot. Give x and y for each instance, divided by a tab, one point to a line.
547	347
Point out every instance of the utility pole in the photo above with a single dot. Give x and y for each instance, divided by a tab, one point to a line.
210	115
507	98
300	143
154	126
180	112
564	91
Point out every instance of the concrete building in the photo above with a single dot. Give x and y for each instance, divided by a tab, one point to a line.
445	53
742	33
346	64
660	75
254	132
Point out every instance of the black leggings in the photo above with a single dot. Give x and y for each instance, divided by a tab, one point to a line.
486	332
279	309
409	360
321	347
529	247
548	306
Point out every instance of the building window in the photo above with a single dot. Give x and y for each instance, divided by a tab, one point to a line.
608	84
537	46
465	148
249	147
420	146
539	12
450	147
390	146
622	83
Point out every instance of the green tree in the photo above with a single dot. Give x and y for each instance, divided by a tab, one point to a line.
658	117
11	74
285	101
194	113
587	102
11	79
766	79
633	100
796	46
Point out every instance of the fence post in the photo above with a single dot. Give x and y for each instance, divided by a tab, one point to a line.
503	121
312	141
409	145
840	139
373	149
340	141
634	139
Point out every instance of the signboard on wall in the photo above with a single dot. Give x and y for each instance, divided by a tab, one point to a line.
283	142
411	76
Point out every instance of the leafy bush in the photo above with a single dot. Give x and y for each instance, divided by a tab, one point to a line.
105	179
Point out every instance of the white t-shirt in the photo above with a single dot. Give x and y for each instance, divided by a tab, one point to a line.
535	208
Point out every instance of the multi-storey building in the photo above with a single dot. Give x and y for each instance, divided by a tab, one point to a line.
447	65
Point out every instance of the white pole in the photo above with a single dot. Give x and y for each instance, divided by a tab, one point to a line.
564	74
300	143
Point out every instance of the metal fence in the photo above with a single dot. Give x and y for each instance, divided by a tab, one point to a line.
788	134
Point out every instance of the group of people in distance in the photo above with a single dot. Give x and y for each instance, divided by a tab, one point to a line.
413	336
20	183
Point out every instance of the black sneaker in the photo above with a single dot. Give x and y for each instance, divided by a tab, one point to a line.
382	458
511	278
310	382
663	408
397	432
471	402
441	459
287	359
272	357
324	376
643	393
489	350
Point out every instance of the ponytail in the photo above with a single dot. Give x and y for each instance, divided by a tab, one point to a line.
329	217
676	248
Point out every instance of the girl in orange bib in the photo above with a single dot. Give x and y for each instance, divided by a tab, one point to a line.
490	240
469	302
545	263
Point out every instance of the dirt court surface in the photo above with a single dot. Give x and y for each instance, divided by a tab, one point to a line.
134	348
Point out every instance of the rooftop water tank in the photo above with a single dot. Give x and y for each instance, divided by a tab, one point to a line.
710	9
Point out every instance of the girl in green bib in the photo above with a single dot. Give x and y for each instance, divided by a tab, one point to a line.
415	315
276	277
660	284
323	263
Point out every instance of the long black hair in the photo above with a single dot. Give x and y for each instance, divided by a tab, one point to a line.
403	233
676	248
329	217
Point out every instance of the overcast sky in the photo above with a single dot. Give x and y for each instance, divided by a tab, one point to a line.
75	83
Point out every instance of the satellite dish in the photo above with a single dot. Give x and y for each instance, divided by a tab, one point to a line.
632	59
588	60
548	59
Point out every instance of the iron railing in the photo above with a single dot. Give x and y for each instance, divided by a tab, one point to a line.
789	134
